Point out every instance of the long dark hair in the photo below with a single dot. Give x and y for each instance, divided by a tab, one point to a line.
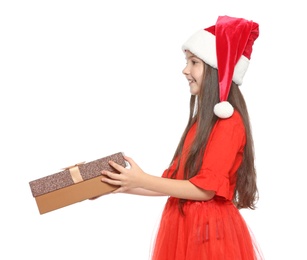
201	110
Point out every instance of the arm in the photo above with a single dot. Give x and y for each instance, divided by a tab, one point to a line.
142	192
135	181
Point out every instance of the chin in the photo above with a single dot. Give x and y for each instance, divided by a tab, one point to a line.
193	92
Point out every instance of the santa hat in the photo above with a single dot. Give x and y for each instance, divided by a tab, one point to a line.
226	46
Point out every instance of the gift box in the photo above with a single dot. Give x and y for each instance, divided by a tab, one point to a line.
74	184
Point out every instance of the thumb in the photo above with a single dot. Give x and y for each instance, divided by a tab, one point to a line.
130	161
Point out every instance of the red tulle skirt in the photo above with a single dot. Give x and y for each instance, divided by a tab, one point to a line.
211	230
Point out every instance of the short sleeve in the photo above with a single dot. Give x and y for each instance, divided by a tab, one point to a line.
170	170
222	157
165	173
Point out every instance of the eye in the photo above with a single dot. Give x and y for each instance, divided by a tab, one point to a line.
194	62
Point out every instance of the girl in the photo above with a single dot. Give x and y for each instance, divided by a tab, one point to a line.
212	173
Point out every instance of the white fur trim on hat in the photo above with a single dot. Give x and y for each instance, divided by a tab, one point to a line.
240	69
202	44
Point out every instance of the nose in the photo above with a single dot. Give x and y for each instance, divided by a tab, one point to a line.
185	70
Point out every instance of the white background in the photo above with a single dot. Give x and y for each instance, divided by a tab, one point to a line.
81	80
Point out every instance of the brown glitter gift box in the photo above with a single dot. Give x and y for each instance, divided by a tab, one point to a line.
74	184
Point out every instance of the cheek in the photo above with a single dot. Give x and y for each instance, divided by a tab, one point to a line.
200	74
200	78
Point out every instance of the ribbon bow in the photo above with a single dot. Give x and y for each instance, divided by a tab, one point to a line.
75	172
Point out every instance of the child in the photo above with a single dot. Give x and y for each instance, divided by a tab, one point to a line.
212	173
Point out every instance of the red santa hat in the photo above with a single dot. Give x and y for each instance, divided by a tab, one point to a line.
226	46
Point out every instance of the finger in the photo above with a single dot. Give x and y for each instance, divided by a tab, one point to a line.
110	181
120	190
95	197
117	166
111	175
130	161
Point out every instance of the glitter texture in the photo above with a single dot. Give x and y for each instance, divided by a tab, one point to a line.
63	179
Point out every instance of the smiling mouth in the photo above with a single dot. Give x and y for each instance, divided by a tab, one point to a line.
191	81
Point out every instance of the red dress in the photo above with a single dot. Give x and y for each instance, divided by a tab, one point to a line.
215	229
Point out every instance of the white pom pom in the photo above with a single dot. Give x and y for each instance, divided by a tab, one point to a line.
223	109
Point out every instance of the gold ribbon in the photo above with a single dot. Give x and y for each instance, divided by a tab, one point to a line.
75	172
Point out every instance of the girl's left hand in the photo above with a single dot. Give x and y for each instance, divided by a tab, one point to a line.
126	178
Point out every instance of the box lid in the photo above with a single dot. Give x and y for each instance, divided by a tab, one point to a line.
64	178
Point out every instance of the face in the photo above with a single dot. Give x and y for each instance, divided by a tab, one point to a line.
194	71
